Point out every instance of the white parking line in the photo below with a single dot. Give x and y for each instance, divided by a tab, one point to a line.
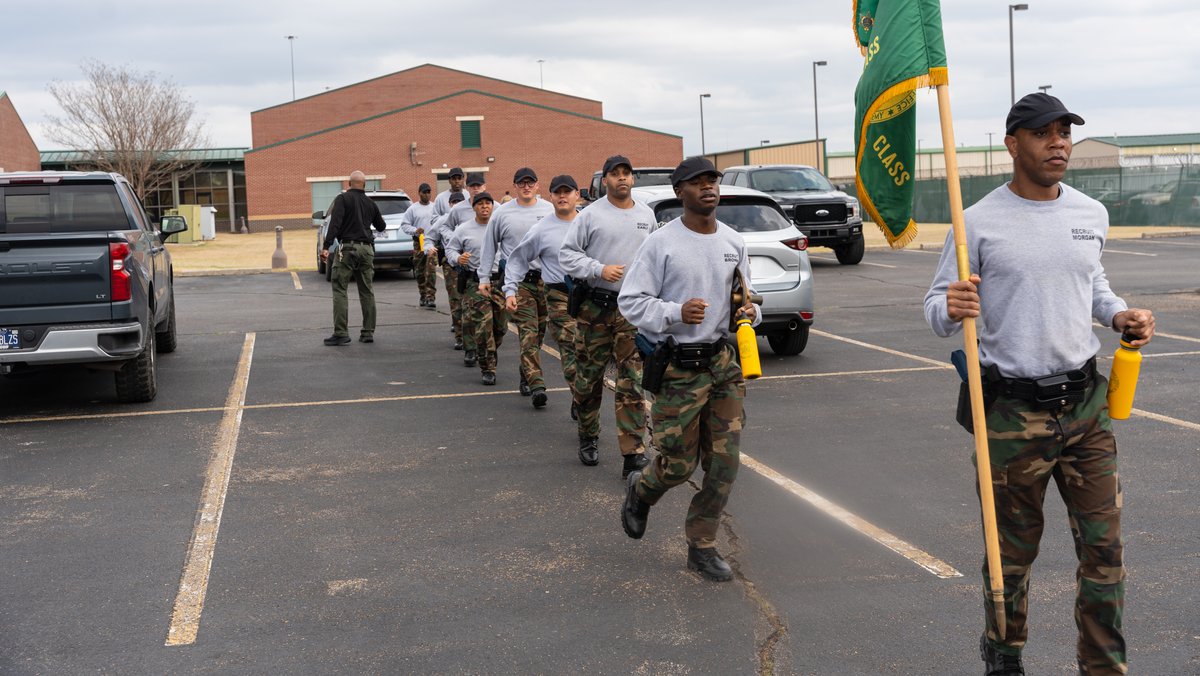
834	260
923	559
296	281
193	584
1128	253
1167	419
878	348
1175	336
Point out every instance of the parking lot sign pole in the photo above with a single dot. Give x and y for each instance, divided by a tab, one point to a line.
983	462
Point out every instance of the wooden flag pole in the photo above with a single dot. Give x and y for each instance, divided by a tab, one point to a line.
974	382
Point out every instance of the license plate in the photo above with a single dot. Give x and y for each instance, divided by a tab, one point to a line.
9	339
383	235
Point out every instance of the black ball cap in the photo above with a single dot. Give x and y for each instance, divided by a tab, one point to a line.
616	161
456	196
563	181
524	173
691	168
457	171
475	178
1035	111
481	197
424	187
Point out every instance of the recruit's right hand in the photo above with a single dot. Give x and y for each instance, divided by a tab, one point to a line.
324	254
463	258
510	303
962	299
612	273
693	311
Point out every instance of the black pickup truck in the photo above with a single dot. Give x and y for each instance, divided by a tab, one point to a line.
84	278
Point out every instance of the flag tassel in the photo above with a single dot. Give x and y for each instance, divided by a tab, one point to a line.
974	382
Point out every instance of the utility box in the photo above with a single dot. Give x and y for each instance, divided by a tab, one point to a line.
192	213
208	223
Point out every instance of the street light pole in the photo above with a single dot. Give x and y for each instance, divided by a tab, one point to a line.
1044	88
703	149
541	77
989	154
291	50
764	142
816	120
1012	72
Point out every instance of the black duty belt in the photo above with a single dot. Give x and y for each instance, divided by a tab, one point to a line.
1052	391
533	277
557	286
696	355
603	297
355	241
495	277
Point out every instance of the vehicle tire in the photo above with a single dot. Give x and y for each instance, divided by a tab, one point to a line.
165	340
852	253
137	381
788	343
320	265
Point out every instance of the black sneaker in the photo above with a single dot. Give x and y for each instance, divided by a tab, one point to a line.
422	302
469	358
525	391
336	341
996	662
539	397
431	305
489	378
589	451
458	344
634	462
366	338
709	564
634	511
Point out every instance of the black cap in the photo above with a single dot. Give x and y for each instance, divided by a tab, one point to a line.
563	181
456	196
1035	111
691	168
616	161
424	187
457	171
475	178
481	197
524	173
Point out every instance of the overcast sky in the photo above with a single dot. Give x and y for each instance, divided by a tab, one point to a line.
1126	67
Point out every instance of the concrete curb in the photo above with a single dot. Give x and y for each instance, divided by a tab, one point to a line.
1174	233
242	271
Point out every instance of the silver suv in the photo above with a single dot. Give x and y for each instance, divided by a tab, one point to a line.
828	216
779	267
393	248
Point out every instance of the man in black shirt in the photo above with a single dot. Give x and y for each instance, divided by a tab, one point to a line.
350	221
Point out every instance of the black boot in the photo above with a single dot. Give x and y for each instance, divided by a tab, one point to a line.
489	378
469	358
589	450
458	344
634	462
525	391
634	511
336	341
539	397
997	663
709	563
574	411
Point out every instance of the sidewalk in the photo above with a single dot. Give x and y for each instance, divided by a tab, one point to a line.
933	235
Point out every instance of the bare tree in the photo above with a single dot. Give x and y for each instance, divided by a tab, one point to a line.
128	122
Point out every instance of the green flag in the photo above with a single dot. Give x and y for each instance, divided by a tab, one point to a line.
902	47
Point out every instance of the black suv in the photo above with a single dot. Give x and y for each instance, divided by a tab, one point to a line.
828	216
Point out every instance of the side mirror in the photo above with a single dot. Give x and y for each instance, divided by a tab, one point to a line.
583	194
172	225
318	215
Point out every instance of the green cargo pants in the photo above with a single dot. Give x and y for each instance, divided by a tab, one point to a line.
357	261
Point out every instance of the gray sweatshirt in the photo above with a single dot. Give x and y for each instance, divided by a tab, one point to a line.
676	265
1041	281
508	225
461	213
539	246
418	216
603	234
467	238
441	203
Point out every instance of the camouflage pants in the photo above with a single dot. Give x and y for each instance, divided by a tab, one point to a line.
485	321
425	270
451	276
600	336
1075	446
531	320
363	274
697	418
563	327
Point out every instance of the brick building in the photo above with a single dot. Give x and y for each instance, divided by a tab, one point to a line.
411	127
18	152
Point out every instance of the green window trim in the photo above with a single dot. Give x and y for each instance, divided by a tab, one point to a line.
471	134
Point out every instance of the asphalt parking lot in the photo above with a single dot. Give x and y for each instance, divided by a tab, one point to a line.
285	507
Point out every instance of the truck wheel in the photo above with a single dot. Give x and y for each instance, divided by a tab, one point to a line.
787	342
137	381
852	253
165	340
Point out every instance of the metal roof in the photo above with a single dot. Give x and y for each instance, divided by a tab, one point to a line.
1149	140
193	154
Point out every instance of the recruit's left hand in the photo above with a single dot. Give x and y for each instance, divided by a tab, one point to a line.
747	311
485	288
510	303
1136	321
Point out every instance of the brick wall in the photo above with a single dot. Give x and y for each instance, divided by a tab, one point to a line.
17	149
515	134
391	92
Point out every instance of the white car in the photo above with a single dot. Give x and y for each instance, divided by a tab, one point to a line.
779	266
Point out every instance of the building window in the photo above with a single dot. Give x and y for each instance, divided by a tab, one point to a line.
471	137
323	193
373	185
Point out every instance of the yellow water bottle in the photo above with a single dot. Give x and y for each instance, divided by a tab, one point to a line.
748	349
1122	382
420	242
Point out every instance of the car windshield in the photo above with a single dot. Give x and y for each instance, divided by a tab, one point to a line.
67	207
644	180
793	179
392	205
741	216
